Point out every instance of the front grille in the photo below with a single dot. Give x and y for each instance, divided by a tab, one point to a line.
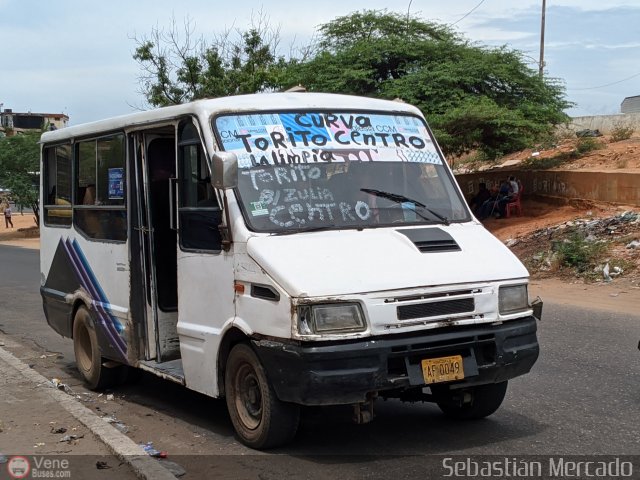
435	309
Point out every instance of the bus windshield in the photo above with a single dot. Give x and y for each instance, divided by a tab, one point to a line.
316	170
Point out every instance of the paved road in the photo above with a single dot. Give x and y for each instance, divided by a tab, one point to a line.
583	397
20	302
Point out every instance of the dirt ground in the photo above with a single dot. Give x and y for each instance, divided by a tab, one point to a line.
24	233
622	155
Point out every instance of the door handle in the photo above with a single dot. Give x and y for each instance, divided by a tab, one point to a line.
172	203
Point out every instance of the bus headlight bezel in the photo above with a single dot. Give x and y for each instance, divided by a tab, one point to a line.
331	318
513	299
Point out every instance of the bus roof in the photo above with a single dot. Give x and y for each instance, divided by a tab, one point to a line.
239	103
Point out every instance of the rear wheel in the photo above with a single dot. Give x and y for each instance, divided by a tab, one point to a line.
470	403
260	419
87	352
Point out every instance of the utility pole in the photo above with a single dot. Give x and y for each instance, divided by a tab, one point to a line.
541	64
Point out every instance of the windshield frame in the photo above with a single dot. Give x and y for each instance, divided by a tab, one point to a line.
454	189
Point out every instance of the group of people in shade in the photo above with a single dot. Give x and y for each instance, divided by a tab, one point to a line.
493	202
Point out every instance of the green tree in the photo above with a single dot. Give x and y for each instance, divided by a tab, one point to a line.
474	97
177	67
19	167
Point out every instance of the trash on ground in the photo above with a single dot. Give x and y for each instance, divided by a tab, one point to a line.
70	438
614	233
110	396
121	427
58	430
100	465
149	450
57	383
605	273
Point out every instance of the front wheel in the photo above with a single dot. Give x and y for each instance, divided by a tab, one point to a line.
470	403
260	419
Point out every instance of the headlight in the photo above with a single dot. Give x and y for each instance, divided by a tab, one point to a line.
330	318
513	298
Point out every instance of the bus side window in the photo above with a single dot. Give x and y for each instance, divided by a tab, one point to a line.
199	211
57	185
100	209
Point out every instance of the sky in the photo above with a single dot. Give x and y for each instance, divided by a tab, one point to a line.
75	57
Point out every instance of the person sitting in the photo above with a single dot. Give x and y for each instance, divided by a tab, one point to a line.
479	198
496	204
505	195
515	188
490	204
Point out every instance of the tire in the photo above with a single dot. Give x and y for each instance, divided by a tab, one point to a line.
484	400
260	419
87	353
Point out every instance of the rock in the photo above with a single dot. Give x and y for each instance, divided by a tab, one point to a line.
634	244
173	467
588	132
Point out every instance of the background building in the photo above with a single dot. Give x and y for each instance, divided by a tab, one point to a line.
12	122
630	105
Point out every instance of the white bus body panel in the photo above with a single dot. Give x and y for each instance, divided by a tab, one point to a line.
375	260
206	308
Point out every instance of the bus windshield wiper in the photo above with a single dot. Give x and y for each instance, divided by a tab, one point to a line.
305	229
396	197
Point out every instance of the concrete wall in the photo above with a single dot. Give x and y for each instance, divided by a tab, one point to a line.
614	187
606	123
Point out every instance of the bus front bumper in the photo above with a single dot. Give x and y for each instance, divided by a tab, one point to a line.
335	373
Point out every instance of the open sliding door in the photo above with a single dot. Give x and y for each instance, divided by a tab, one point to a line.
156	242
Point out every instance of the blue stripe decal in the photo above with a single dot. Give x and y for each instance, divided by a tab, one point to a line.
111	327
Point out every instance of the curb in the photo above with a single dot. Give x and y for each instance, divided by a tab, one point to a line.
125	449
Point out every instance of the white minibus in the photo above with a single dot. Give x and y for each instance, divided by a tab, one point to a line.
279	250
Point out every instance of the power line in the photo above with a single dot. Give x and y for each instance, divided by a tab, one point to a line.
467	14
608	84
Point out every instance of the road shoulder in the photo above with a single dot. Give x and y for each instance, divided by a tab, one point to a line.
33	408
619	295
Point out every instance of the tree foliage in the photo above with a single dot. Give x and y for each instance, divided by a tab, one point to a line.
19	164
473	96
179	67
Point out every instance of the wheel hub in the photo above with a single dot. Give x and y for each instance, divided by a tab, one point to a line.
249	397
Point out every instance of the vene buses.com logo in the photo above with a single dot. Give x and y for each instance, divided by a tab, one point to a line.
18	467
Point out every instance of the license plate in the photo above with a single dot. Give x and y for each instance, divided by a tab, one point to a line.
444	369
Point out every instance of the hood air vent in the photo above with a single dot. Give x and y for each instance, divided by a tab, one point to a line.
430	240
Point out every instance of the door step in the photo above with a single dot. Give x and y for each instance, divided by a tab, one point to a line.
171	370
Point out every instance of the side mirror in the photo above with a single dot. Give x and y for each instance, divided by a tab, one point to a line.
224	170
